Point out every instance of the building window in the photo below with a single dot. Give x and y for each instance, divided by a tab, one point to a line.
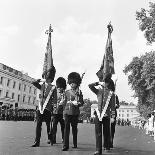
0	92
119	110
16	72
29	99
127	110
119	115
127	115
122	110
35	91
10	69
7	94
19	86
1	80
8	83
13	94
30	90
14	84
4	67
122	115
34	100
24	98
24	87
18	98
131	110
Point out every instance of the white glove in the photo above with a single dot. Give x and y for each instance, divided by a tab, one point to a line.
75	103
60	103
112	120
102	83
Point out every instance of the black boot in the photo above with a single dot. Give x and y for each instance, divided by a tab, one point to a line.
65	148
74	147
36	144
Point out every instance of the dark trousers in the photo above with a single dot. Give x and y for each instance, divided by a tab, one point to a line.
105	123
112	132
58	118
73	120
46	116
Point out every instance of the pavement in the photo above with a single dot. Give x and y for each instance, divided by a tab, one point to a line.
16	138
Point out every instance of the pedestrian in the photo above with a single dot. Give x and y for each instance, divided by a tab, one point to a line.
104	112
58	109
74	99
48	97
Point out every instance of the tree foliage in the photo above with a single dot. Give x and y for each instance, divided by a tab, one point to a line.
141	77
86	109
146	19
125	103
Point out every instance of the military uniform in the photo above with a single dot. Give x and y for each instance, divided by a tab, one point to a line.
71	114
46	116
74	99
58	115
114	123
102	96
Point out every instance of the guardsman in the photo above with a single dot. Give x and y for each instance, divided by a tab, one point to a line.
48	97
58	109
113	124
74	99
104	113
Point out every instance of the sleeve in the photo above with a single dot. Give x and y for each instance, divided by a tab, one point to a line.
81	99
36	84
65	100
117	102
55	96
112	105
92	87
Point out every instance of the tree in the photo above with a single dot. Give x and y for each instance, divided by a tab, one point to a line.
86	109
123	103
146	19
141	77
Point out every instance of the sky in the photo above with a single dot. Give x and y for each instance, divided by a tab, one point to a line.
78	38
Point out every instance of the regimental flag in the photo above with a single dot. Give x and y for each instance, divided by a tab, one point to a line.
107	66
48	60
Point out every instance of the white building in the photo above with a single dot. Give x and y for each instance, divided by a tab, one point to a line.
16	89
127	112
93	107
124	112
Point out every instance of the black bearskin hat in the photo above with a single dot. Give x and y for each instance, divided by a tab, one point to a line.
74	77
111	84
49	74
61	83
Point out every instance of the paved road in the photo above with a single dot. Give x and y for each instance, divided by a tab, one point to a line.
17	137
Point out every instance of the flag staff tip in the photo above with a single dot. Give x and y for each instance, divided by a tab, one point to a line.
110	27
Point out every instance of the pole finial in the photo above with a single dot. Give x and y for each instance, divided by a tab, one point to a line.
49	30
110	27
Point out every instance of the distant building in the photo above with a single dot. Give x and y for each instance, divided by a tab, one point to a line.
124	112
127	112
93	107
16	89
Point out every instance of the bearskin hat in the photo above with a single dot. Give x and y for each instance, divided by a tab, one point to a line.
74	77
111	84
49	74
61	83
